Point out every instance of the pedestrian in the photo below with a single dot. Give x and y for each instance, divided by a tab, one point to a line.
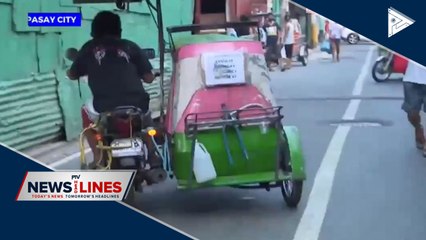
262	33
414	84
243	30
273	39
231	32
288	41
336	31
327	29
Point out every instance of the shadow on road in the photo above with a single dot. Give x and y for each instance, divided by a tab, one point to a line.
208	201
392	81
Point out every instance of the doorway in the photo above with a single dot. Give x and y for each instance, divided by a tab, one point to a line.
213	6
211	11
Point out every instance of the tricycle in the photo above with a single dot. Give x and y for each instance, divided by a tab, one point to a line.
222	126
386	64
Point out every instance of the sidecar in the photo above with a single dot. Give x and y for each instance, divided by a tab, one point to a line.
225	125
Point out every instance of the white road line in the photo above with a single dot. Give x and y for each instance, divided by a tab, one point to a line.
359	83
68	159
310	224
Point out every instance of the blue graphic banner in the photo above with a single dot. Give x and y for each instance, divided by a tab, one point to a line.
396	25
68	219
54	19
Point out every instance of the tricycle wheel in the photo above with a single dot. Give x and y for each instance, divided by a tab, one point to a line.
305	57
292	192
378	72
304	60
290	189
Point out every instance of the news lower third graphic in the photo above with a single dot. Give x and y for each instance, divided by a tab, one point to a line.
397	21
54	19
75	186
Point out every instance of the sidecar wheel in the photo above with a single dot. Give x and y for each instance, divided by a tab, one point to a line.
292	192
290	189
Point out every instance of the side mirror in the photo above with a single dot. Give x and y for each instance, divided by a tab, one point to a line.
71	54
149	53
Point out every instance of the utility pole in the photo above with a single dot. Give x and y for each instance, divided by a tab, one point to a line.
284	6
285	9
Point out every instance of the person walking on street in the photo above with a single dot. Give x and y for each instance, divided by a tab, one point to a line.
273	38
288	41
327	29
336	31
414	83
262	33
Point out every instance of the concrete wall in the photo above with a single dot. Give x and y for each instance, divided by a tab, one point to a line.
38	103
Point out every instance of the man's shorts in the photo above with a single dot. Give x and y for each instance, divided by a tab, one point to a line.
89	115
414	97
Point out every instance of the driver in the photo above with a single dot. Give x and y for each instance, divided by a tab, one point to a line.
114	67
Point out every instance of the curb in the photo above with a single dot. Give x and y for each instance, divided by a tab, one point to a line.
45	148
51	153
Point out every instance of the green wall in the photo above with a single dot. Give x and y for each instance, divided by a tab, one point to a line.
38	103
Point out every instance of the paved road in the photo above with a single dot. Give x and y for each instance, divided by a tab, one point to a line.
366	181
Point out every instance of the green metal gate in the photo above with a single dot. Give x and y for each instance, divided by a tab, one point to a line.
30	113
37	102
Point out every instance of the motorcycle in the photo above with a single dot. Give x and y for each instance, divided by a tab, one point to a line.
386	64
126	137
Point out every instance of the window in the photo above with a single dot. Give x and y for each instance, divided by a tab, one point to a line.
213	6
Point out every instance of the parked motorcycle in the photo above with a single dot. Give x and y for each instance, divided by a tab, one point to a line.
386	64
123	135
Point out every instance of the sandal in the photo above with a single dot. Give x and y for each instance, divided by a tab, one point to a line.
93	165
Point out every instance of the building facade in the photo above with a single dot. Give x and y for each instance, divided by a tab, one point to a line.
38	103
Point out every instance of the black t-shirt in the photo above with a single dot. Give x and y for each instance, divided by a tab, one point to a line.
115	68
242	31
272	31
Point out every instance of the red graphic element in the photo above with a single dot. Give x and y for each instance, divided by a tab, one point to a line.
75	186
22	184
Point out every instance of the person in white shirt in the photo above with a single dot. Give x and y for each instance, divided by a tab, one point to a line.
336	31
288	41
231	32
414	83
273	40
